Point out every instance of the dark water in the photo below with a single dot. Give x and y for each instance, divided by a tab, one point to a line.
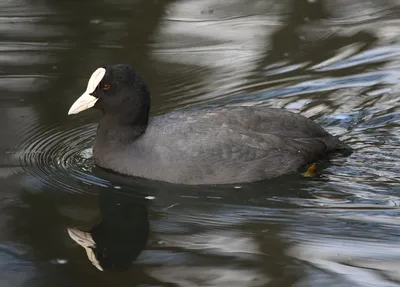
335	61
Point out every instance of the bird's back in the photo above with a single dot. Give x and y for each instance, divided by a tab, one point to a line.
225	145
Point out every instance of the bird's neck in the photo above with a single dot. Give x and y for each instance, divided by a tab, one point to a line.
113	131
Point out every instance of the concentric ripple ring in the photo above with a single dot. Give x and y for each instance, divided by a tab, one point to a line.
61	158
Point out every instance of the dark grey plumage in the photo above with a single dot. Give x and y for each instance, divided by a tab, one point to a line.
223	145
214	146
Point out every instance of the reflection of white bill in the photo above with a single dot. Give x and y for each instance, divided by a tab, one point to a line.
85	240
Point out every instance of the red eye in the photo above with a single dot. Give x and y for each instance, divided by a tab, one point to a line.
106	87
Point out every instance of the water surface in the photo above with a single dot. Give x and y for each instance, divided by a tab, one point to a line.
333	61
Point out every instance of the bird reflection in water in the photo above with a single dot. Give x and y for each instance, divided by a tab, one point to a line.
122	234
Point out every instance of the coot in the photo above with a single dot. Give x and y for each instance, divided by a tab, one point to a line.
221	145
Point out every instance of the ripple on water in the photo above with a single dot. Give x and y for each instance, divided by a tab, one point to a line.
61	158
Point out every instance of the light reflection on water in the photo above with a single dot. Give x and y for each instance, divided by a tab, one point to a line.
333	61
